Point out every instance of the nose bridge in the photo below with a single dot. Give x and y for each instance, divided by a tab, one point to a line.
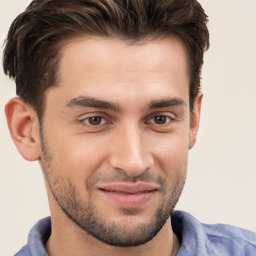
130	152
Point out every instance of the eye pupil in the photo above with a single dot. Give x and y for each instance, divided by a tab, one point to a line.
160	119
95	120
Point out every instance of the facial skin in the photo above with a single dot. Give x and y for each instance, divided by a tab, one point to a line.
114	140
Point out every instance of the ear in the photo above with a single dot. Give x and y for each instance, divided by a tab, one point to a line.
24	128
195	120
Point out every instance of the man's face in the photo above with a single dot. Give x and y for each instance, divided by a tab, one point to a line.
115	136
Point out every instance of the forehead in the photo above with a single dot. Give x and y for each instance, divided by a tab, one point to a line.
107	67
97	54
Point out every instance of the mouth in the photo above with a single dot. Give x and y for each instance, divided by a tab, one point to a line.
129	195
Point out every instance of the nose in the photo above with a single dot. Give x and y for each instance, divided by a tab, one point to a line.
130	151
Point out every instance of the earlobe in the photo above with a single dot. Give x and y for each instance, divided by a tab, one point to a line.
195	120
24	128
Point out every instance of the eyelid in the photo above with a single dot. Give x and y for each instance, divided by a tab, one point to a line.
84	117
166	116
168	120
88	118
92	114
172	116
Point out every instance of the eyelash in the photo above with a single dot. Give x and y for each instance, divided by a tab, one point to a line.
86	121
170	119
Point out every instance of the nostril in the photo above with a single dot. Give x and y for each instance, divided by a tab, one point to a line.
129	152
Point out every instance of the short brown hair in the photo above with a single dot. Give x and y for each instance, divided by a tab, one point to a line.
34	40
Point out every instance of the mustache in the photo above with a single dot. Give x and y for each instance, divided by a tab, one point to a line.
146	176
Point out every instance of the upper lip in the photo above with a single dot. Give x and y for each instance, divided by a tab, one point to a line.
131	188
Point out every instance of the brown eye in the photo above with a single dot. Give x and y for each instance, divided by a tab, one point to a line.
94	120
160	119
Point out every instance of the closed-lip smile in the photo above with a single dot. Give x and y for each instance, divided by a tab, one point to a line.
129	195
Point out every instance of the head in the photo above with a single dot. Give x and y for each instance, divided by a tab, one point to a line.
46	25
109	104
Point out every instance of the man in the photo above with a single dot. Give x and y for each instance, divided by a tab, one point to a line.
109	104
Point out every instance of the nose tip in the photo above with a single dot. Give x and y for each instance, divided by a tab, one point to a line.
131	155
130	165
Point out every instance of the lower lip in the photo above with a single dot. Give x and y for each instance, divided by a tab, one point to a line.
129	200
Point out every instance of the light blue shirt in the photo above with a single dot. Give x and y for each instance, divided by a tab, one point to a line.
196	239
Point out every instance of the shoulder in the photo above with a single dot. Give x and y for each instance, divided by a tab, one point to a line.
24	251
216	239
37	237
233	238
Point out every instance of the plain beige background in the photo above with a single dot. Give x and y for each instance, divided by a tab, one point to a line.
221	185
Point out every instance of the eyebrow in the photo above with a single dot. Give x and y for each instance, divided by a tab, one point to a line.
83	101
167	103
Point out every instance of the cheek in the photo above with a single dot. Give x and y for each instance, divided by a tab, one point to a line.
171	154
77	156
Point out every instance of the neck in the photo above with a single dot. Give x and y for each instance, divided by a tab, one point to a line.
68	239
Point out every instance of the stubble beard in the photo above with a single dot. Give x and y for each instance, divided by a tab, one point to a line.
86	216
